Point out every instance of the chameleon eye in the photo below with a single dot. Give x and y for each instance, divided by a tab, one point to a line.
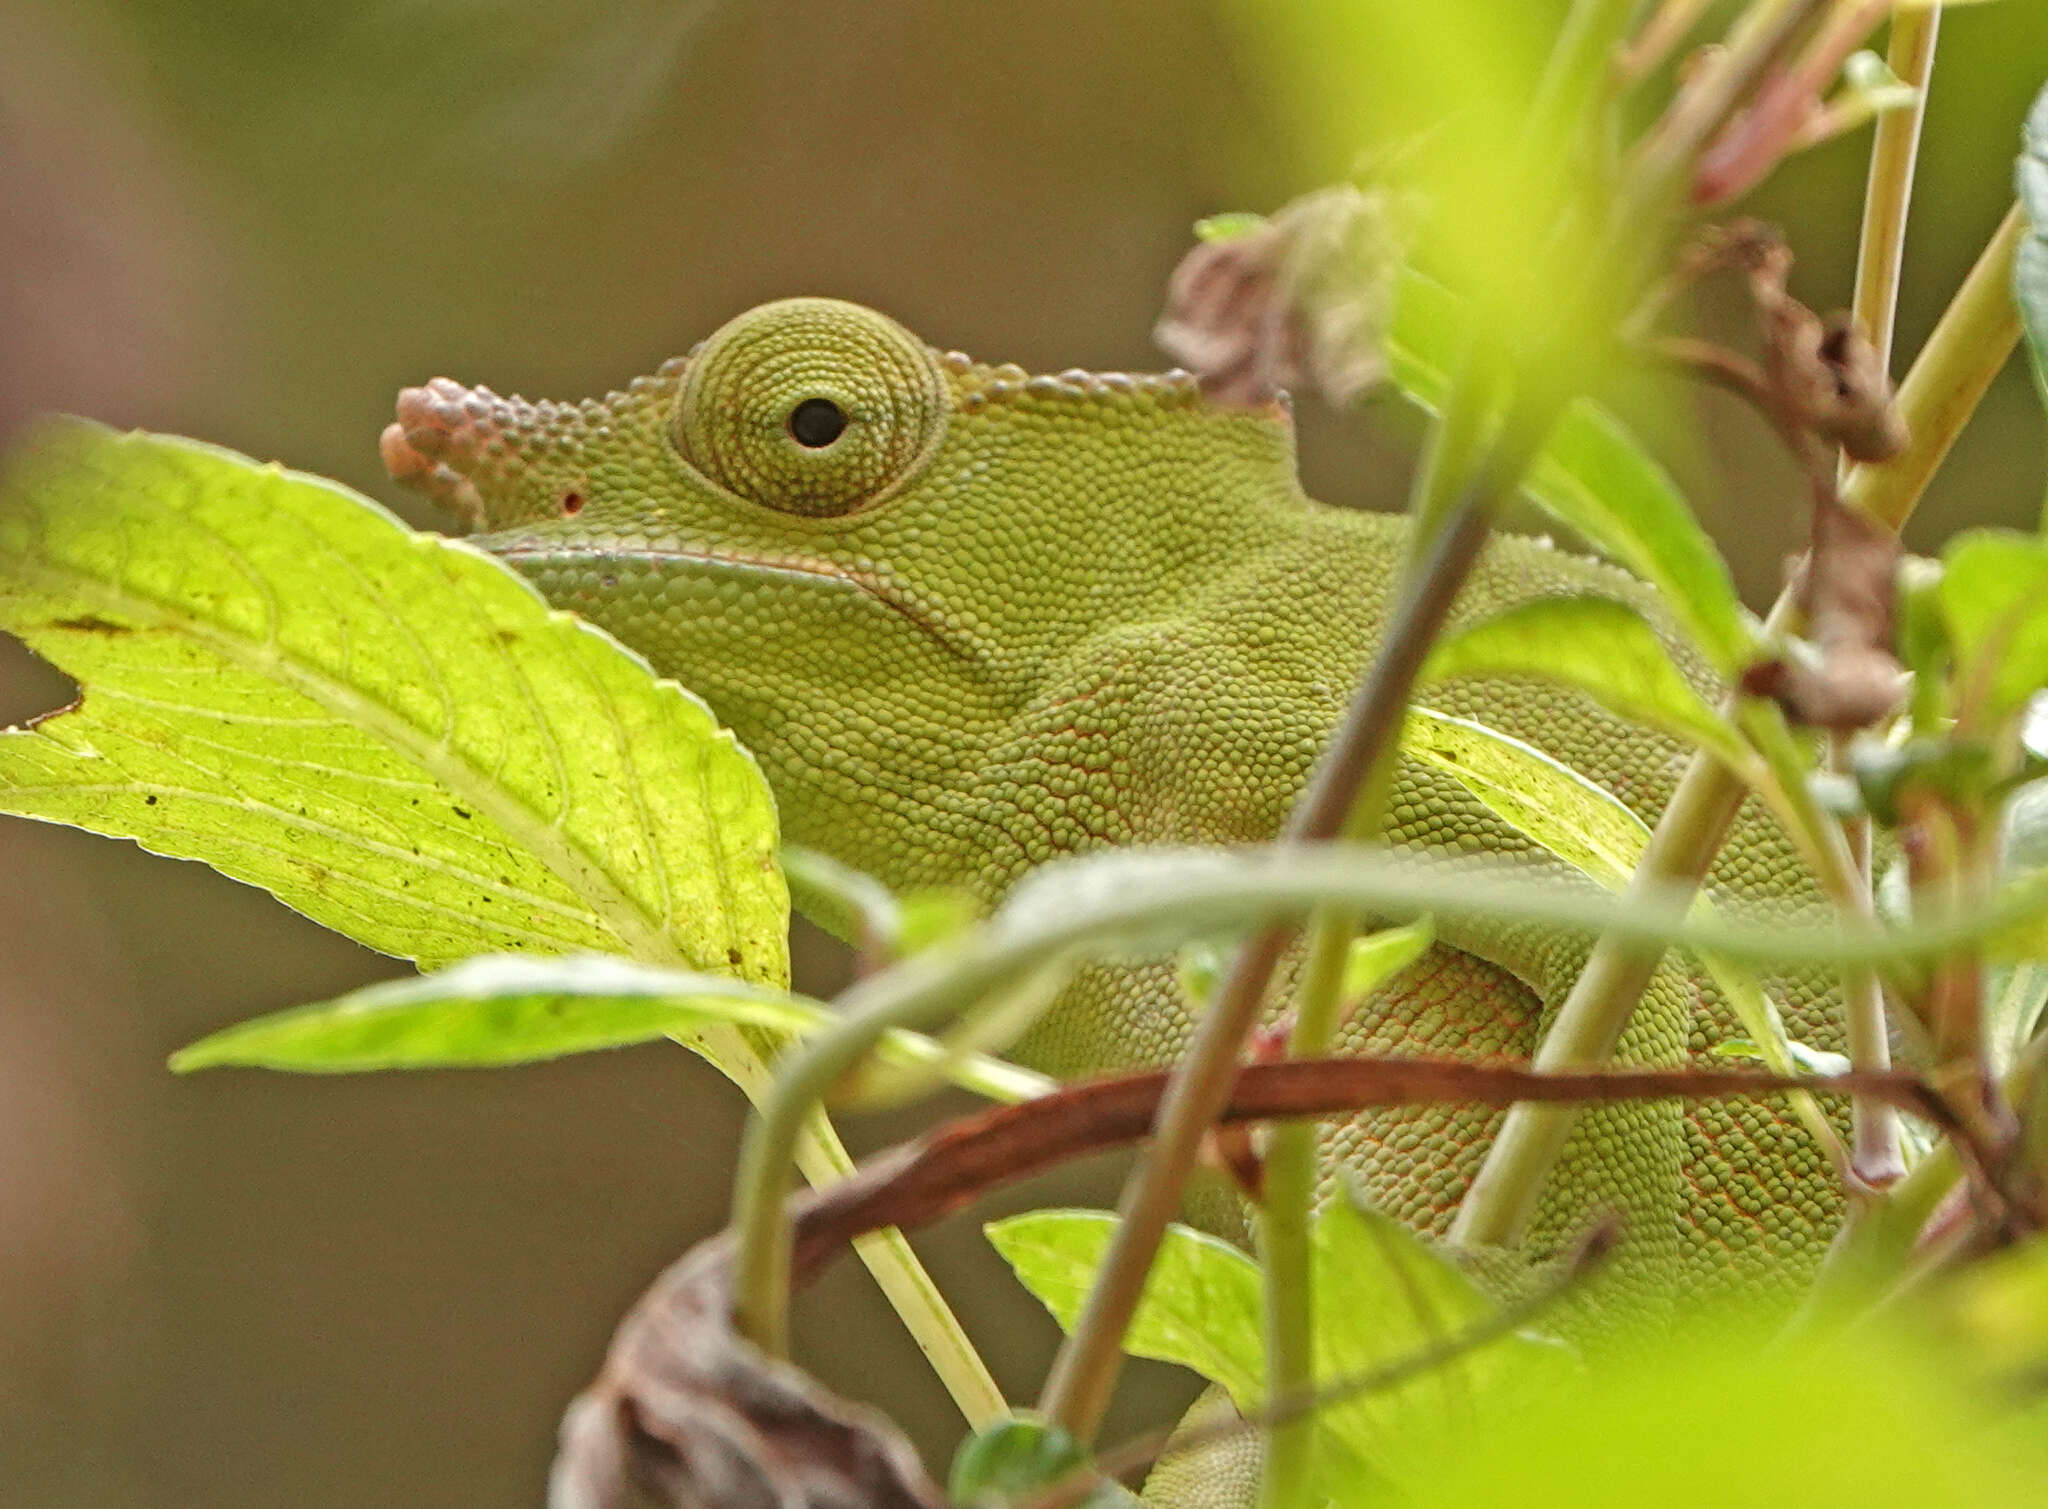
811	406
816	423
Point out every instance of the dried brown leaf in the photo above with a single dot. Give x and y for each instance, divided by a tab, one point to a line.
1849	592
1305	295
688	1413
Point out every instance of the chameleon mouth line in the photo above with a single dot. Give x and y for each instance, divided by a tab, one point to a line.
876	589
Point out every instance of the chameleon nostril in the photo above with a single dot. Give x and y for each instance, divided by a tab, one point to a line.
572	502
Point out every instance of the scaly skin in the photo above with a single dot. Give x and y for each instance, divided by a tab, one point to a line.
971	620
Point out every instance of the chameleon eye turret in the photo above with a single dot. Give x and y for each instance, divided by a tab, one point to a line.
811	406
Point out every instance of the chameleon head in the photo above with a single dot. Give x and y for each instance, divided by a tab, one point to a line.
810	407
826	527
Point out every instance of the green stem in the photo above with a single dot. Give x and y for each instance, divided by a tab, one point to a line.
1286	1250
1969	344
1968	347
903	1279
1875	1156
1875	1253
1888	194
1688	834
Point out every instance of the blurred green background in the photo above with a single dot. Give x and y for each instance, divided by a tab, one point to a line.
254	222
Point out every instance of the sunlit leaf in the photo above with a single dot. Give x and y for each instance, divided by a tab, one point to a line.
1593	478
389	731
1575	819
1201	1306
497	1009
1994	596
515	1009
1635	1429
1377	957
1382	1296
1586	826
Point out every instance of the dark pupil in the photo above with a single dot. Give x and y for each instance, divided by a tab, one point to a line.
817	422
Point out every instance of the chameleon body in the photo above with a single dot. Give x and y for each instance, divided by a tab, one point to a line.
970	620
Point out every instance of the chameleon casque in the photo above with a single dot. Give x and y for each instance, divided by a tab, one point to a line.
970	620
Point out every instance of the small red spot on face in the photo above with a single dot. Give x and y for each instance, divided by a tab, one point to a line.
572	502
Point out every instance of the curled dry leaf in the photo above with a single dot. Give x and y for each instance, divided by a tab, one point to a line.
1304	295
688	1413
1820	381
1849	591
1825	377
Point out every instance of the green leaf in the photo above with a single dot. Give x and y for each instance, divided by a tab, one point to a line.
1716	1412
2016	995
389	731
1201	1307
1228	226
515	1009
1594	478
848	903
1586	826
935	915
1598	646
498	1009
1381	1296
2030	263
1809	1059
1376	958
1580	822
1013	1460
1994	596
1198	967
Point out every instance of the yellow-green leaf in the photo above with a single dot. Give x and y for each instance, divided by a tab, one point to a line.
389	731
1596	645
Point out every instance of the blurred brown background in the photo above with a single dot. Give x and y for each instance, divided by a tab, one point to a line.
252	223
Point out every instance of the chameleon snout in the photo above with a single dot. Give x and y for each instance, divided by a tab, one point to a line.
443	435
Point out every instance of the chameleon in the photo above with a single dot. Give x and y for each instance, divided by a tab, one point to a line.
971	619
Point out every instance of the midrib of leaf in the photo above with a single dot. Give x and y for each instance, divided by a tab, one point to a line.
643	937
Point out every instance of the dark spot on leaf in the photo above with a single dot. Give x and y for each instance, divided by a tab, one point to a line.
91	623
458	811
149	801
732	957
508	636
